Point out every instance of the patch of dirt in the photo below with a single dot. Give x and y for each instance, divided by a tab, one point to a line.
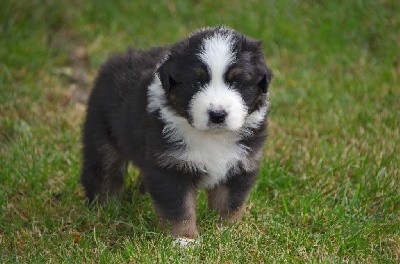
78	74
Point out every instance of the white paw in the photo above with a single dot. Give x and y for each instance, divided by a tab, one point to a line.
183	242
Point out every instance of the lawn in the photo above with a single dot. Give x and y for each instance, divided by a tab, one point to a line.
329	186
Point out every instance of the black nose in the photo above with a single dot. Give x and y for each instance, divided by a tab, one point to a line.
217	117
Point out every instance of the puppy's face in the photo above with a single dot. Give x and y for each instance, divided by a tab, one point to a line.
215	79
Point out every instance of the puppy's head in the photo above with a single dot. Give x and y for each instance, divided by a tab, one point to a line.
215	79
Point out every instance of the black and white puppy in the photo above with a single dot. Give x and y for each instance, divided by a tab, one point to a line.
190	115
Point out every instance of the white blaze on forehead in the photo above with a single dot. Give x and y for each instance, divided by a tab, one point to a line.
217	53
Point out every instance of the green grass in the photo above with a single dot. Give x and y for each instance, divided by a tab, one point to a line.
329	187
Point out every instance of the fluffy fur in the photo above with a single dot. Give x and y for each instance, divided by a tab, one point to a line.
189	115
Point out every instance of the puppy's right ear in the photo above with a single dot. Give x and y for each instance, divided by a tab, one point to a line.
167	74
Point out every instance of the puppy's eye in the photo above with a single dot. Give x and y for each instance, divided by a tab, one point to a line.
201	73
233	75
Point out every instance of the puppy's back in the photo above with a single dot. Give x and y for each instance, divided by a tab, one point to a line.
126	74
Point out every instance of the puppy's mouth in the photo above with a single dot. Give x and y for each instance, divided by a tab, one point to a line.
217	128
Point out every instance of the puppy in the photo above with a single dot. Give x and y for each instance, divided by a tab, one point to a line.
190	115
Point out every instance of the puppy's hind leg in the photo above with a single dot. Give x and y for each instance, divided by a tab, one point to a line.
103	174
104	167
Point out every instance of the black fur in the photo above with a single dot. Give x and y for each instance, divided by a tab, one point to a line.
119	129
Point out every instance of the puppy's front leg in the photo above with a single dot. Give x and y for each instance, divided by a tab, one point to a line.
174	197
229	198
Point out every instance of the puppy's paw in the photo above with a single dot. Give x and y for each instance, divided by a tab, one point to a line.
184	242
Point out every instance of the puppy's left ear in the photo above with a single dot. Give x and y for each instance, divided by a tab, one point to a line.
265	81
255	46
167	72
249	44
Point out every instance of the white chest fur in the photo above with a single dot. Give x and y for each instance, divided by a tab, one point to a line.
210	152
